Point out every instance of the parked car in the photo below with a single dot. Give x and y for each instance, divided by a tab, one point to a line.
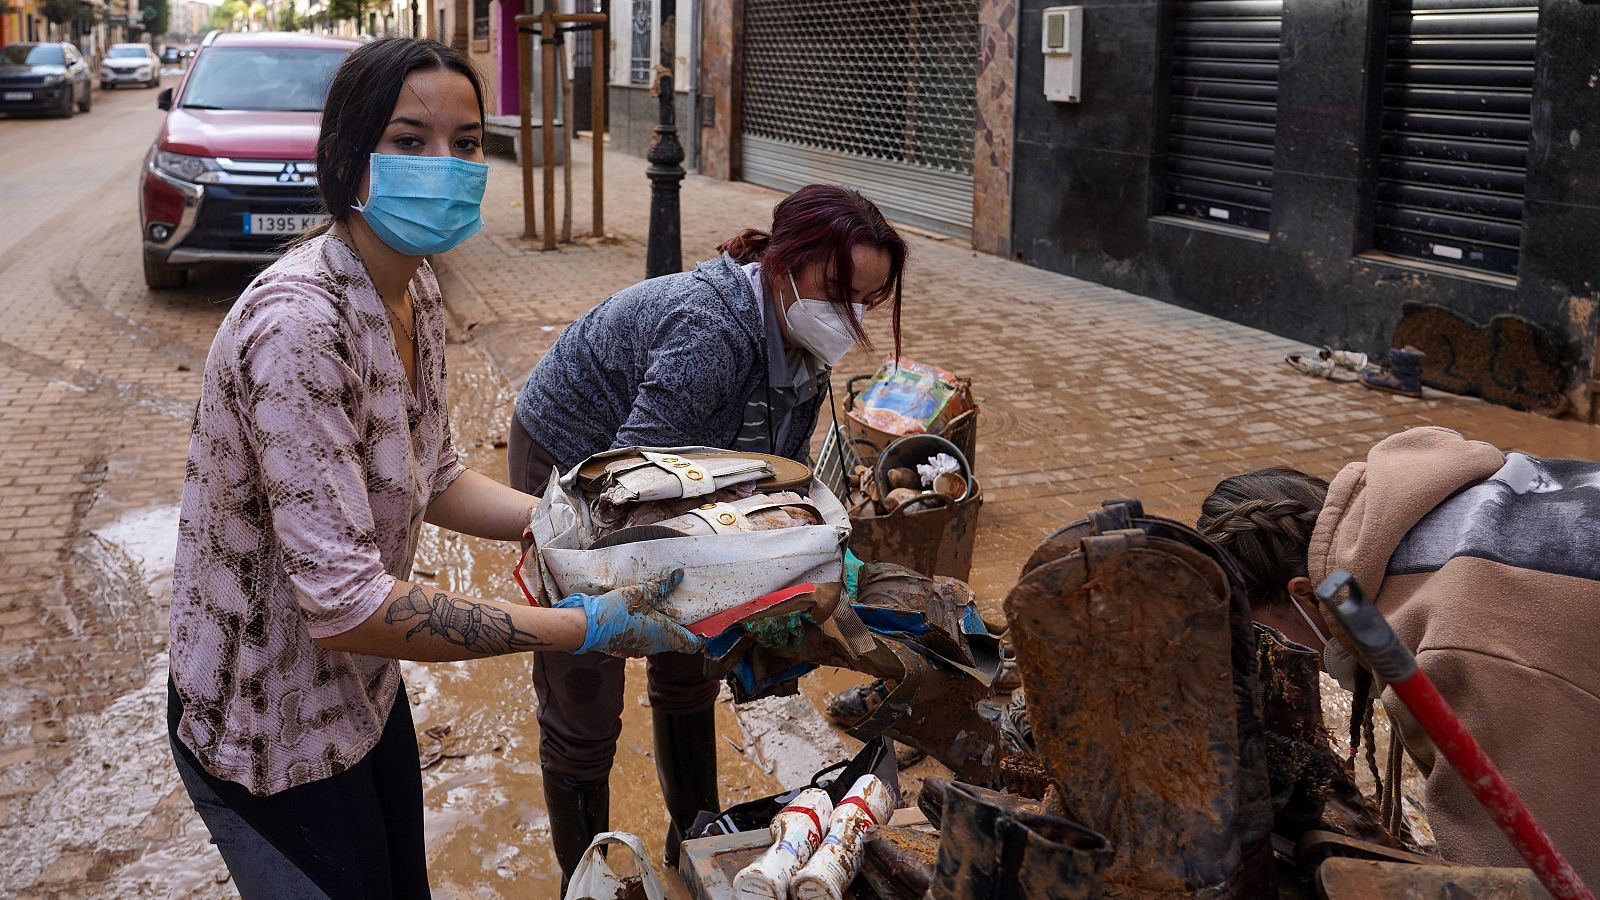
232	175
38	77
130	64
171	55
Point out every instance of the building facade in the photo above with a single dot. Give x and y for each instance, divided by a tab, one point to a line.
1348	172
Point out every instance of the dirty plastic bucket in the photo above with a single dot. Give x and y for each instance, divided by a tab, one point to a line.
933	541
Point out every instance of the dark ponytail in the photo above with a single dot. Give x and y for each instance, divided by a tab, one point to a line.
746	246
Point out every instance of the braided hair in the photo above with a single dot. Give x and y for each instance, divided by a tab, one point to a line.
1264	520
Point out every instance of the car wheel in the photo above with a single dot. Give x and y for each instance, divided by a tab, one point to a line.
88	98
160	276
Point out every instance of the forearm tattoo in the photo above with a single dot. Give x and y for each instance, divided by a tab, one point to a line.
479	627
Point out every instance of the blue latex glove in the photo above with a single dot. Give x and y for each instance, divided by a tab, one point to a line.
629	622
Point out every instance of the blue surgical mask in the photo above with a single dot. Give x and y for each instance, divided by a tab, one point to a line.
422	205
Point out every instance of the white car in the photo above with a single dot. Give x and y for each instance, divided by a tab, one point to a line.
130	64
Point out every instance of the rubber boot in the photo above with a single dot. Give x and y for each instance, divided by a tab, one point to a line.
686	763
1301	760
1403	375
578	811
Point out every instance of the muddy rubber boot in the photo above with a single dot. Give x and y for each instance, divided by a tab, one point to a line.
989	849
578	811
1140	674
686	763
1402	376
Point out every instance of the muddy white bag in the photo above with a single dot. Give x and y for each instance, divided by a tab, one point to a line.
836	862
796	832
595	880
720	571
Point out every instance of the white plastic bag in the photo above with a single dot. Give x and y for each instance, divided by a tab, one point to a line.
720	571
594	878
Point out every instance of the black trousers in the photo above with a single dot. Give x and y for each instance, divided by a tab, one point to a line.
356	834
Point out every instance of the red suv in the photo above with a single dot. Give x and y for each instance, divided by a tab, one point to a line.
232	177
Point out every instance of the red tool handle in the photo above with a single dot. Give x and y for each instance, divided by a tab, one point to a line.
1391	660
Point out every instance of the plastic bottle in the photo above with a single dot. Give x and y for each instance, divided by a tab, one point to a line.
796	832
835	863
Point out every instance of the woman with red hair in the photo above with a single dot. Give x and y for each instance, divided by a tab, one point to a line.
734	354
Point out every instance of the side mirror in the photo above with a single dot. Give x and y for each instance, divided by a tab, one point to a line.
165	100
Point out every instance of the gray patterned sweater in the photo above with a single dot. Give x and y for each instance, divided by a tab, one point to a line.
667	362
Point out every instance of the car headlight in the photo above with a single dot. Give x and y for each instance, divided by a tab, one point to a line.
52	80
187	168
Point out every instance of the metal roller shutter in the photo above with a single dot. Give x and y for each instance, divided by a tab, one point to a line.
1223	110
1453	147
877	94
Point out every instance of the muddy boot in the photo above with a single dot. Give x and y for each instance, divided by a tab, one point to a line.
1301	760
991	850
1139	667
686	763
578	811
1403	375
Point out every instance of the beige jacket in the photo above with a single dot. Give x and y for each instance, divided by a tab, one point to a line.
1488	566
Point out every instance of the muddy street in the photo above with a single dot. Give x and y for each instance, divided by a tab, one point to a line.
1086	393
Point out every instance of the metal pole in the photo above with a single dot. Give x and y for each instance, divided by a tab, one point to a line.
664	252
547	140
601	80
525	58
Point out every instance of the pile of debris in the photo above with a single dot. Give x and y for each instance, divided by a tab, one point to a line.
1162	745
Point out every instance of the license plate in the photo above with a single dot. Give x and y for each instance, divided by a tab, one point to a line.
256	223
18	95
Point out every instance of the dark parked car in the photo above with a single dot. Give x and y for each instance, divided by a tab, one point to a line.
130	64
44	78
232	176
171	55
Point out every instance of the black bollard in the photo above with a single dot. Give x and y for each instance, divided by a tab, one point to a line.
664	252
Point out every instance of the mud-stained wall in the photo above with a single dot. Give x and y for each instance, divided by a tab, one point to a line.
991	157
722	82
1085	176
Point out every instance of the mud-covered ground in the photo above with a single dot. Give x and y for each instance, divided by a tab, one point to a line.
1087	393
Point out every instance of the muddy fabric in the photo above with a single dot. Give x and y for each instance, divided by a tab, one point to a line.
357	834
311	465
580	697
669	362
1485	564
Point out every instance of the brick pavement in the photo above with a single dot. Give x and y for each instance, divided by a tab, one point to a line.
1087	392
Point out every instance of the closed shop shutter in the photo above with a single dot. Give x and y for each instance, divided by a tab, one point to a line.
877	94
1223	110
1453	149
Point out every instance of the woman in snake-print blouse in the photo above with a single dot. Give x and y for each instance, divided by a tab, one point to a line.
320	446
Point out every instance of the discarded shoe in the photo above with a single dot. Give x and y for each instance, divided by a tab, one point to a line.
851	705
1403	374
989	849
1143	645
1315	366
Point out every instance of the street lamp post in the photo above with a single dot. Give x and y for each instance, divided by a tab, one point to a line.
664	252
